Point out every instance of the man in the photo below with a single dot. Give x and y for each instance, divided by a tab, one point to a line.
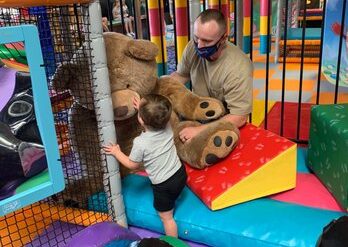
217	69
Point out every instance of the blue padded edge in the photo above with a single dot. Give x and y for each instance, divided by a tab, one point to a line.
259	223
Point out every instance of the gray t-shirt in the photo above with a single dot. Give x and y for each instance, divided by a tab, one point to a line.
157	151
229	78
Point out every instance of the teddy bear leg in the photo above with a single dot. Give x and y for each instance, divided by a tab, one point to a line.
187	104
210	146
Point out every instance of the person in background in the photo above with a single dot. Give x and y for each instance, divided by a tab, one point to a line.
104	11
128	20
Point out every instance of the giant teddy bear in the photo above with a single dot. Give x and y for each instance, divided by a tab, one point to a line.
132	68
132	73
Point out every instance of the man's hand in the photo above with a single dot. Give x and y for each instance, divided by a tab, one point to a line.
188	133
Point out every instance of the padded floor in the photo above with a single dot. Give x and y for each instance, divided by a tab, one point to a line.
259	223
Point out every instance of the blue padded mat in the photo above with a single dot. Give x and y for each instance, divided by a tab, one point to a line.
259	223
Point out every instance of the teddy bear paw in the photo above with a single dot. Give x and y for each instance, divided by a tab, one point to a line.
208	109
218	146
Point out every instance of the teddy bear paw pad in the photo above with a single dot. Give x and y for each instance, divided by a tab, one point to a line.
205	105
219	146
208	110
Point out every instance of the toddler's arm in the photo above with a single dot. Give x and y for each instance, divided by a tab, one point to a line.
114	149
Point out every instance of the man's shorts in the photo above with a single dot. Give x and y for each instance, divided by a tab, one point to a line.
166	193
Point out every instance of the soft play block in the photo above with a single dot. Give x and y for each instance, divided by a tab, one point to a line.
263	163
259	223
328	146
309	192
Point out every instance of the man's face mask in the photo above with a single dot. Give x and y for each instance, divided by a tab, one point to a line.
208	51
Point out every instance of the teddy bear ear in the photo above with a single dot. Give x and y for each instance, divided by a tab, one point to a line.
143	49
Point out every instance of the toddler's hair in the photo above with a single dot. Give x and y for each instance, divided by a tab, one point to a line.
155	111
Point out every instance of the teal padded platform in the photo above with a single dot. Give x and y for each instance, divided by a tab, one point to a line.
296	34
259	223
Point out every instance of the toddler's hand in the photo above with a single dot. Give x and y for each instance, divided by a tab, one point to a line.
136	102
112	149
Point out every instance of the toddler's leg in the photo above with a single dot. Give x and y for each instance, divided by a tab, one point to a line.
169	223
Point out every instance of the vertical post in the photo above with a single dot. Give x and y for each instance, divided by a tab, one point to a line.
137	15
195	10
233	17
239	18
263	25
104	112
157	34
181	21
279	29
246	26
225	9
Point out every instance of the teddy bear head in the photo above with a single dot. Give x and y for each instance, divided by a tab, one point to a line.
74	76
132	71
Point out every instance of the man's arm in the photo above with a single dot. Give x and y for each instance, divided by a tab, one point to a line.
237	120
124	160
176	76
189	132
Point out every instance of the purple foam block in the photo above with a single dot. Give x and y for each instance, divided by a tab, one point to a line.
100	234
57	234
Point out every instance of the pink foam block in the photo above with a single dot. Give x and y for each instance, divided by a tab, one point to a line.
309	192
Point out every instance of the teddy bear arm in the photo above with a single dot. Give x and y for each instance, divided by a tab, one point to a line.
188	104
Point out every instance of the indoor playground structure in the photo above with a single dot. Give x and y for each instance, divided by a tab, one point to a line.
291	16
284	183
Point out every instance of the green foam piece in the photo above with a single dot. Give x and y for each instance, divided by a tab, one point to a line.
174	241
328	147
